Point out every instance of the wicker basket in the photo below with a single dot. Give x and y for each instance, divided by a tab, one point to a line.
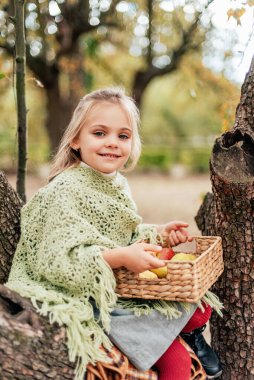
186	280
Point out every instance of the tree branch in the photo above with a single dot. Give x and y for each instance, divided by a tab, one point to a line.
46	72
8	48
144	77
75	23
149	32
152	71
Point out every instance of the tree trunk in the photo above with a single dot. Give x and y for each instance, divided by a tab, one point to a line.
138	89
59	111
20	59
30	347
229	213
10	205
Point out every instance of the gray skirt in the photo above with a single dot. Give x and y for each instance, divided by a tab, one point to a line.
144	339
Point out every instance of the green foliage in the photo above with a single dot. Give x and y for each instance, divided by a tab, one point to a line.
197	160
181	115
88	80
155	158
91	47
188	103
8	142
38	144
162	158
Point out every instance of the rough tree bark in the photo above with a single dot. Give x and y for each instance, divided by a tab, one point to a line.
30	347
10	205
229	213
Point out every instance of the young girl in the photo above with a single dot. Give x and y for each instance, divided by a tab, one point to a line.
83	224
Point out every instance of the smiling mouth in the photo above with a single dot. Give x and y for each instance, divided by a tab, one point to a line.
110	155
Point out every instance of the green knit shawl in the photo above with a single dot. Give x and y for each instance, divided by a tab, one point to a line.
58	261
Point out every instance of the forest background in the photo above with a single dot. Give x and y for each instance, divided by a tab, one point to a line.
182	112
74	46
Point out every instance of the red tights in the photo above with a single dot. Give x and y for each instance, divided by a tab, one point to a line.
175	363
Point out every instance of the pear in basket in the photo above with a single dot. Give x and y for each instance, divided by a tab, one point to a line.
160	272
184	257
147	275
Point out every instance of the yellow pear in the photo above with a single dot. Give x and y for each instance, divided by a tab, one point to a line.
184	257
147	274
160	272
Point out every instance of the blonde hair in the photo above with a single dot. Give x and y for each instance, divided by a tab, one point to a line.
67	157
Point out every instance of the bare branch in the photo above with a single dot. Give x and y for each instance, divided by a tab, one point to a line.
45	71
149	31
75	23
42	23
143	77
8	48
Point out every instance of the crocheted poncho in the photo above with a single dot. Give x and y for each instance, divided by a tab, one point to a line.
58	261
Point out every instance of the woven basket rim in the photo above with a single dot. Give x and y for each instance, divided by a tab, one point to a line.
200	257
192	262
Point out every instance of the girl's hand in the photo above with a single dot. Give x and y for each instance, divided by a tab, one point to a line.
137	257
175	231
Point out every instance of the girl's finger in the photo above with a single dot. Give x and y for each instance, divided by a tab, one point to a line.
151	247
181	237
183	231
171	241
156	263
174	237
186	233
178	224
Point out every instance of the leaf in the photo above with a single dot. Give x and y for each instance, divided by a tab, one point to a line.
88	80
237	13
228	54
230	13
225	126
2	75
92	46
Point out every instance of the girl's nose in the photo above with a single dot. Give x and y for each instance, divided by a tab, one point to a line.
112	142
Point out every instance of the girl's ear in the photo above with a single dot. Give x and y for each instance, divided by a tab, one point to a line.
74	144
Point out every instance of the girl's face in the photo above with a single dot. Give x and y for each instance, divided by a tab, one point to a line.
105	141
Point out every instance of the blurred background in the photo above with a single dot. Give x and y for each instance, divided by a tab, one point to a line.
183	61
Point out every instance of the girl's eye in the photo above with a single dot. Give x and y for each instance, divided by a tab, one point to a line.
124	137
99	133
